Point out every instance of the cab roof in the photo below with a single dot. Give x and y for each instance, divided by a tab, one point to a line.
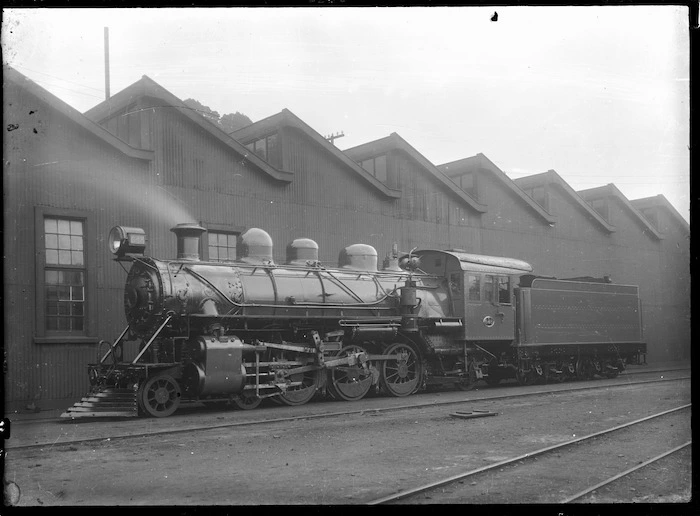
480	262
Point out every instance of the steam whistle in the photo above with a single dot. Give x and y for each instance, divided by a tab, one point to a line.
391	261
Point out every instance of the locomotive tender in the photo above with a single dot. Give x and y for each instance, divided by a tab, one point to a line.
239	332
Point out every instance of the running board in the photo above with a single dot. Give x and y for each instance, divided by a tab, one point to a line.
106	403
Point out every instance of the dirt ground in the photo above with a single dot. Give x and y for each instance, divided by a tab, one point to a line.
345	459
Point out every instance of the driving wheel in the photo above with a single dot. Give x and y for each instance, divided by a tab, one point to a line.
349	382
402	375
300	394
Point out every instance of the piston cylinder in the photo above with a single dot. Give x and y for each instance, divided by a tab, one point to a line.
217	367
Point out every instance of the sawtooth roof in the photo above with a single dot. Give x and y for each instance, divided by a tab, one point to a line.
482	163
147	87
286	118
12	75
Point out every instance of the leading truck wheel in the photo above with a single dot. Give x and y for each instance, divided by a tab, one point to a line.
246	402
402	375
159	396
349	382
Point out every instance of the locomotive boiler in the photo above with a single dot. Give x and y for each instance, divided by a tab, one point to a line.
241	331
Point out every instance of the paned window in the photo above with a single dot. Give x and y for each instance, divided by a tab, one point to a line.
377	167
504	290
267	148
488	289
222	246
468	183
64	275
540	196
601	207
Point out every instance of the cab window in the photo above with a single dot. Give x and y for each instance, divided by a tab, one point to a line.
474	285
488	289
456	285
504	290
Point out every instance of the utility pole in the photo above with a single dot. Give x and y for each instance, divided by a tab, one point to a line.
107	63
332	137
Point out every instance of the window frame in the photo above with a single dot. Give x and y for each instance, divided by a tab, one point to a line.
601	207
469	183
509	290
545	196
275	159
495	291
468	287
90	309
373	171
218	228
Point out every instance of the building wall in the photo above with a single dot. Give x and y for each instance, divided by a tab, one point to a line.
53	165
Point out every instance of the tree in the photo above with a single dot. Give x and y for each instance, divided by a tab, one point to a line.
203	110
229	122
234	121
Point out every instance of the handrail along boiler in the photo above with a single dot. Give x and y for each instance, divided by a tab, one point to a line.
242	331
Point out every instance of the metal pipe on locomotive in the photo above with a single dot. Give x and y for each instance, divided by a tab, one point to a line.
239	332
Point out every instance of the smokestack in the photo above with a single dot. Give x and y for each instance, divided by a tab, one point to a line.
188	237
107	63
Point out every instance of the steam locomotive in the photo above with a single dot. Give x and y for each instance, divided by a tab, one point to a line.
242	331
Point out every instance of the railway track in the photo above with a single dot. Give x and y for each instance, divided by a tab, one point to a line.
174	427
625	473
487	388
525	460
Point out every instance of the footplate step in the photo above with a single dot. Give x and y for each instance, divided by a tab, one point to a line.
107	403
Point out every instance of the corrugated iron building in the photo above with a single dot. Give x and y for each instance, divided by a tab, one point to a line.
144	159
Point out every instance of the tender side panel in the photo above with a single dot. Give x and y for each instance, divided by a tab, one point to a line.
564	312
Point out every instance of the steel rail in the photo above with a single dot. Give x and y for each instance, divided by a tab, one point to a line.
432	485
625	473
377	410
578	386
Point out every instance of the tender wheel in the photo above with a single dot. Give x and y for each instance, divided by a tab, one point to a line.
552	375
583	369
300	394
540	373
611	373
246	402
159	396
401	376
349	383
524	378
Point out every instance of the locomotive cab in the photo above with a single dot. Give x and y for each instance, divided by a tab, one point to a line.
480	291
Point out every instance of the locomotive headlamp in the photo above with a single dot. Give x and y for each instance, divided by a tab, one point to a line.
124	240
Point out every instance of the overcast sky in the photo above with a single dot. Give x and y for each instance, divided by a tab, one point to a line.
599	94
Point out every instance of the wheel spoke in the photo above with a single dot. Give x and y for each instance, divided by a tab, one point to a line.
401	376
160	396
349	383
